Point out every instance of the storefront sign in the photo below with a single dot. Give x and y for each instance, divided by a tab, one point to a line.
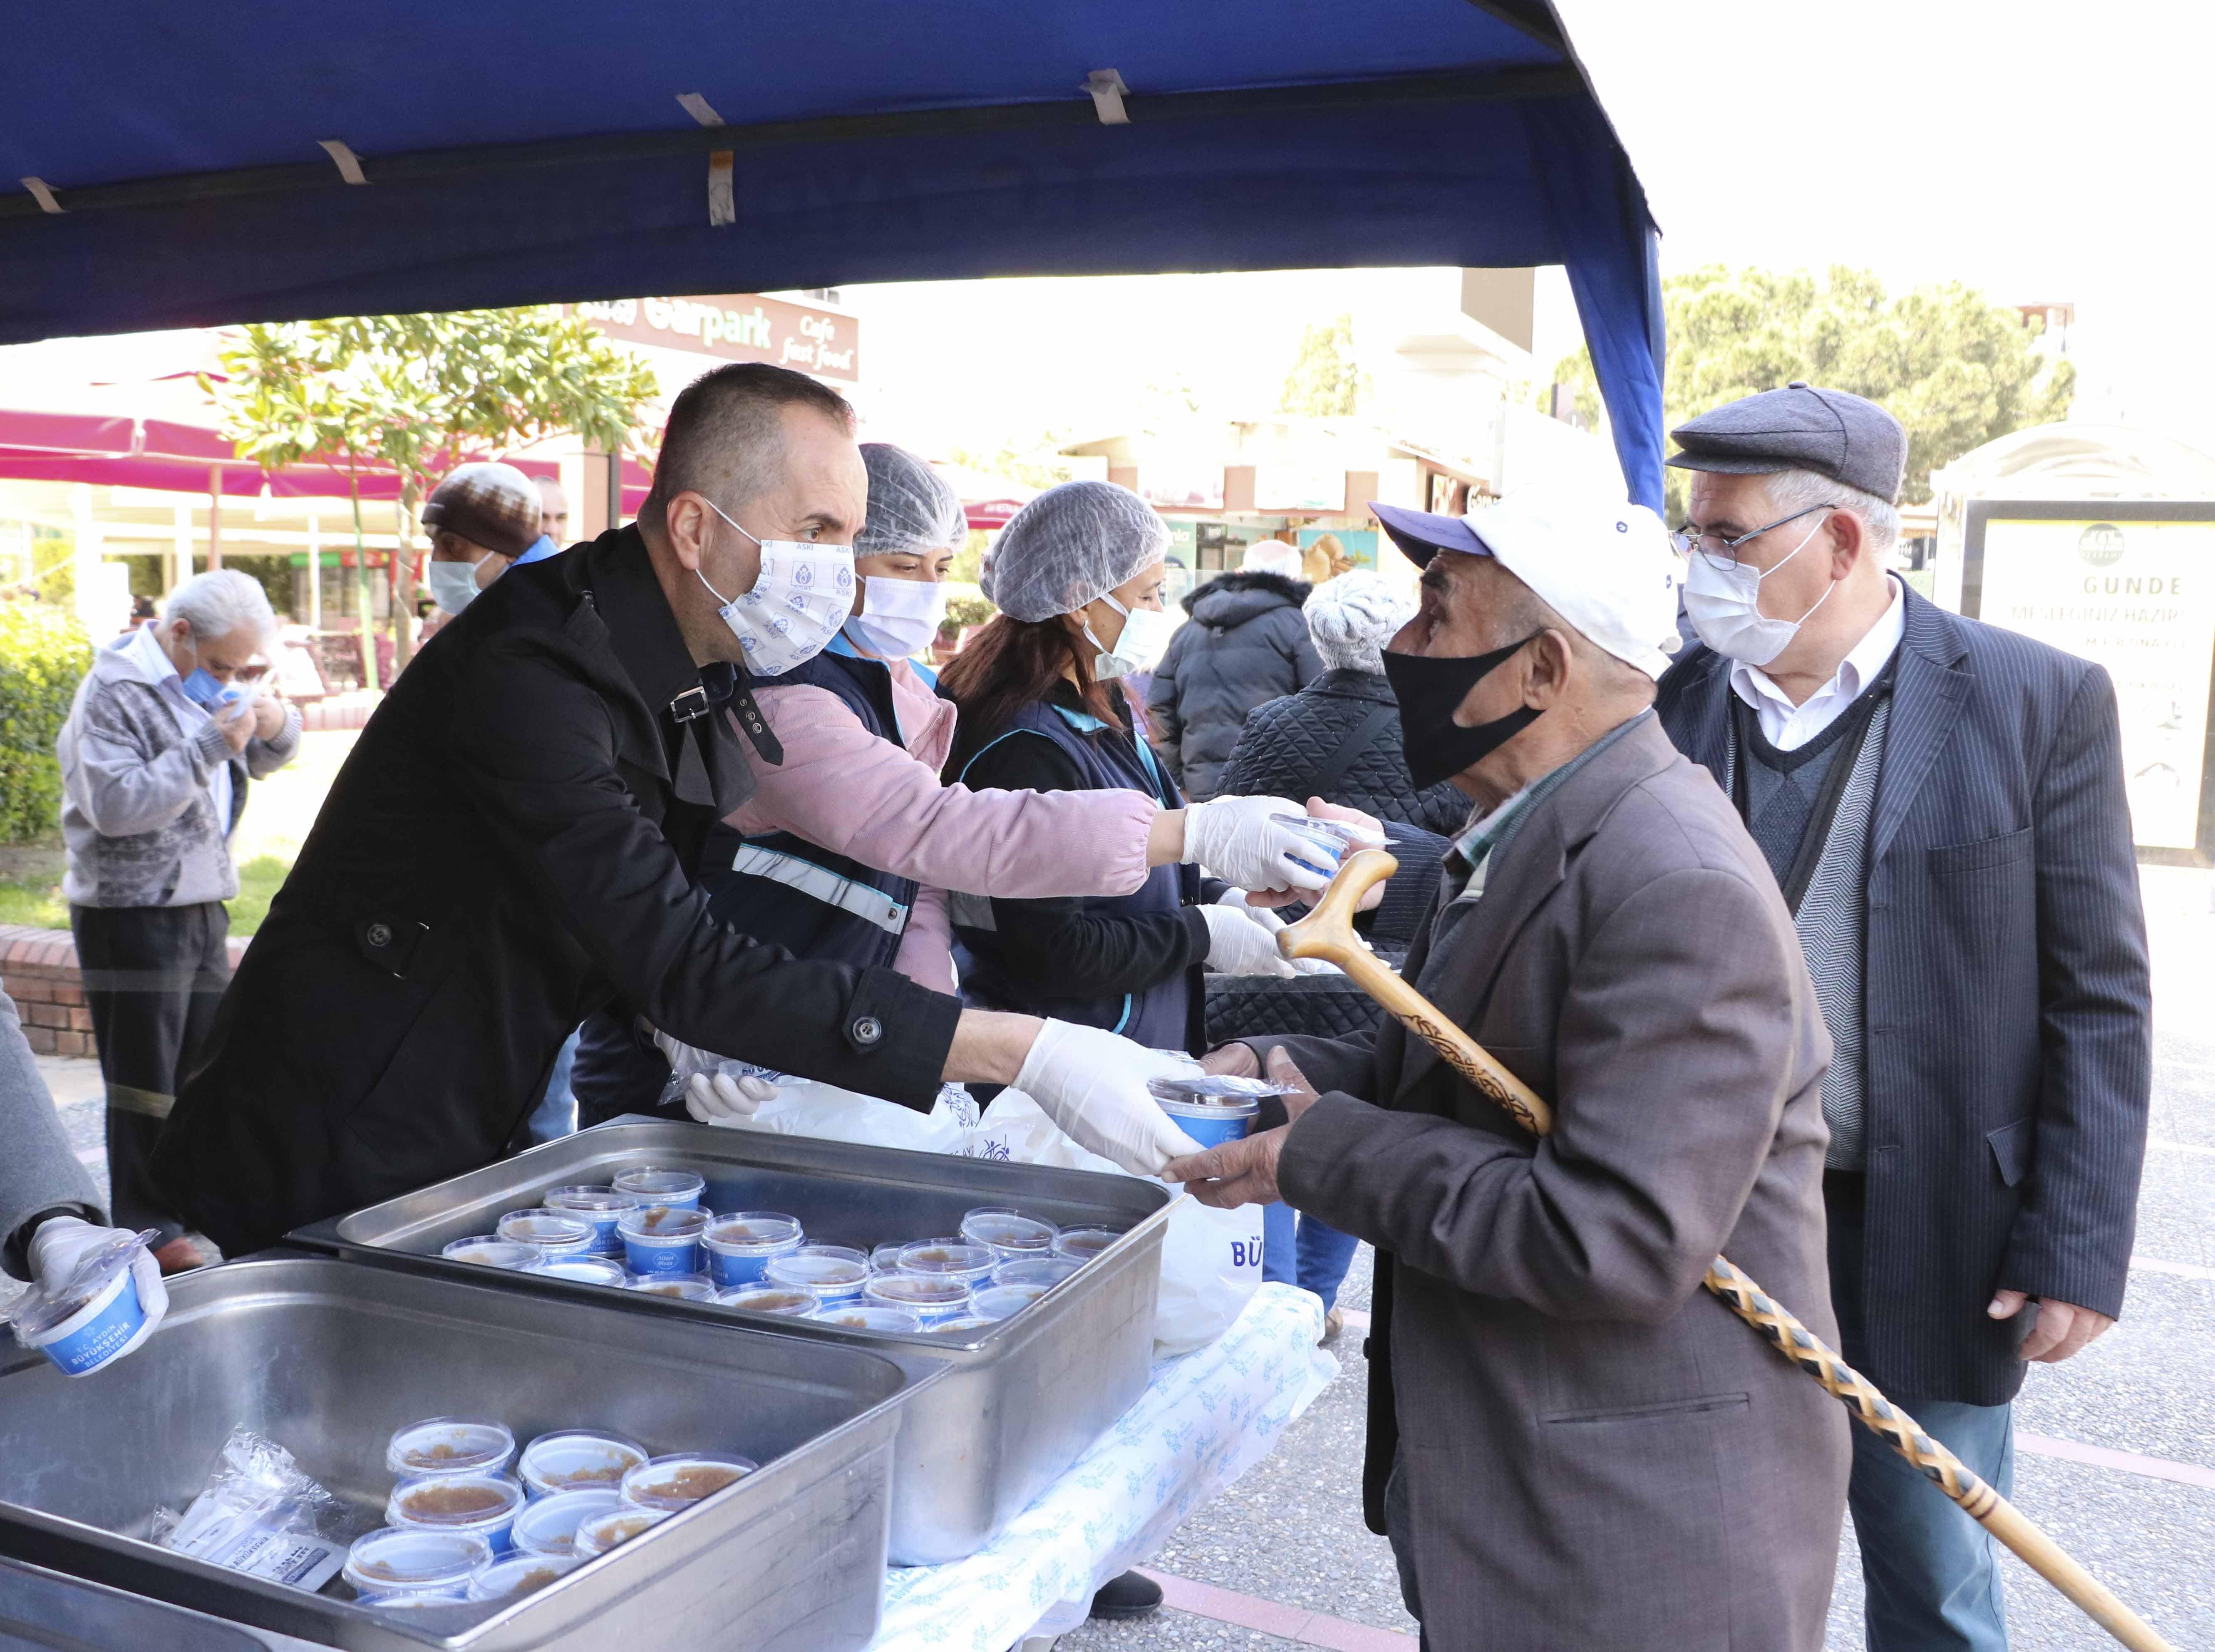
2137	595
738	327
1313	486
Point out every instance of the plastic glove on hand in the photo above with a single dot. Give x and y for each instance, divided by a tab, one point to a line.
725	1098
1240	943
1235	839
1269	921
1093	1084
63	1242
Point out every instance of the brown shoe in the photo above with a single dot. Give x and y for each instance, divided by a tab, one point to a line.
180	1255
1333	1322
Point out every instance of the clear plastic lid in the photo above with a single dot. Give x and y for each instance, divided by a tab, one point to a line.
1217	1089
885	1259
602	1532
966	1323
449	1446
520	1574
464	1502
1044	1271
1008	1229
549	1525
818	1268
867	1315
1341	835
650	1184
917	1292
592	1200
550	1229
948	1258
681	1479
39	1311
581	1270
579	1460
490	1250
663	1224
1083	1243
684	1288
1005	1301
753	1230
772	1299
414	1557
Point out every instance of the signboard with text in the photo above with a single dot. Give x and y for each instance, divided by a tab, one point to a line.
736	326
2131	587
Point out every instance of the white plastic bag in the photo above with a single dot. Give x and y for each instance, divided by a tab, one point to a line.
805	1107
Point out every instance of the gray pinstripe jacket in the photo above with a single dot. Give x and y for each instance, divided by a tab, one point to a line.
2008	1014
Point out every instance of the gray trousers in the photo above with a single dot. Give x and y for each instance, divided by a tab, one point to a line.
1398	1533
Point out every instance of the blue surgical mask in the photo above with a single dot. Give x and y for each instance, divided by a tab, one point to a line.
202	689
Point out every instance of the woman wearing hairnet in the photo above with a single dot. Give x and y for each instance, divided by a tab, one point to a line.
1077	576
847	847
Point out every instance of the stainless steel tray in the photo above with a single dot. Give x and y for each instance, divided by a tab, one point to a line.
327	1356
1023	1400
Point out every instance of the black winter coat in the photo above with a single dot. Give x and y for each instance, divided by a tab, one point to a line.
1288	742
506	851
1248	643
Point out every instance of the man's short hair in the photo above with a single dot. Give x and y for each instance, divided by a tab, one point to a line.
1803	490
219	602
725	437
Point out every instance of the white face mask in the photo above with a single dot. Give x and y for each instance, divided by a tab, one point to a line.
1725	605
899	618
454	585
1146	632
800	599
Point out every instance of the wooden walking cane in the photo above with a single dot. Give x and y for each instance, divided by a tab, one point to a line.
1327	933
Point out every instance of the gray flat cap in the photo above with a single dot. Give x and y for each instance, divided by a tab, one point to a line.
1799	428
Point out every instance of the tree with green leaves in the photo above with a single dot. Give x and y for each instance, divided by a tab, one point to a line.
419	393
1955	369
1325	382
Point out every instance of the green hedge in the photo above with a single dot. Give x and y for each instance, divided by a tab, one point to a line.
43	655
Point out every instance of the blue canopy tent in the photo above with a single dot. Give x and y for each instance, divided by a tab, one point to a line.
258	160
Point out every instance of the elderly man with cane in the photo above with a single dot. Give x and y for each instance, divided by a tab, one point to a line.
1570	1446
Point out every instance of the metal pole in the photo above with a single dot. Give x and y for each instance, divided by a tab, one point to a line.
314	572
214	517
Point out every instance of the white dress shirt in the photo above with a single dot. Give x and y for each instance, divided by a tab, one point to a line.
155	660
1789	727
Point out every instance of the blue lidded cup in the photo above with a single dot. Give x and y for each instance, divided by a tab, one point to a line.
650	1185
834	1273
603	1207
742	1245
484	1504
95	1317
1210	1121
663	1238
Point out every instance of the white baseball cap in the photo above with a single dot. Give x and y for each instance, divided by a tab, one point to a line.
1604	565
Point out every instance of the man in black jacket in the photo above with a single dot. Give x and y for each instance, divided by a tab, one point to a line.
1943	803
512	845
1246	643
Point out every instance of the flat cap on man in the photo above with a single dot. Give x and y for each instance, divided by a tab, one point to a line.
1799	428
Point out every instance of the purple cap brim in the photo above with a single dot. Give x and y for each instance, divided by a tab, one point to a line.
1420	534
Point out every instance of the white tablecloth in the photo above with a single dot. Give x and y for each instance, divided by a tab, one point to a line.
1205	1419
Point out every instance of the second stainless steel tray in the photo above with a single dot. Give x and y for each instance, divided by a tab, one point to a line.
1022	1400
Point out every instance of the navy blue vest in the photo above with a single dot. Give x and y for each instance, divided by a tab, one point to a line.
1159	1016
789	917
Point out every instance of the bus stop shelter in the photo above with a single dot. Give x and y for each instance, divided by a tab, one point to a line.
255	161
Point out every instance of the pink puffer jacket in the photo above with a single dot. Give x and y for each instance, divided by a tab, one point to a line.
842	787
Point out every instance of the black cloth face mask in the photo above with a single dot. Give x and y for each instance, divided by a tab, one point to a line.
1430	691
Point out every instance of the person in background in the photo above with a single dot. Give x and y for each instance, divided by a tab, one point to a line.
483	519
1339	738
49	1213
1246	643
552	510
164	734
1571	1444
847	849
1943	804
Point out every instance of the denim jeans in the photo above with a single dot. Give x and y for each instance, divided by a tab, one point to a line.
1931	1574
1298	1249
555	1116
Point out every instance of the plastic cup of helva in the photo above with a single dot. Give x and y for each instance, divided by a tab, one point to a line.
680	1479
605	1271
1009	1232
957	1259
486	1504
578	1459
1212	1120
969	1323
930	1299
555	1232
681	1287
414	1559
885	1259
549	1525
867	1315
1005	1301
520	1574
449	1446
651	1185
663	1238
741	1245
490	1250
1082	1245
772	1299
1044	1271
601	1206
94	1319
599	1533
835	1272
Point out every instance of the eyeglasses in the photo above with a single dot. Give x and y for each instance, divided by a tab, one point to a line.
1722	554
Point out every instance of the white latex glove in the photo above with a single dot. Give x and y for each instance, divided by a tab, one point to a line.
1269	921
1240	943
63	1242
1235	839
710	1096
1093	1084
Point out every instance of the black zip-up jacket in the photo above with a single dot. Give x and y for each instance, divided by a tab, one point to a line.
1248	643
512	844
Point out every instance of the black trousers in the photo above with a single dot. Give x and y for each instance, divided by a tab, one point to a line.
152	975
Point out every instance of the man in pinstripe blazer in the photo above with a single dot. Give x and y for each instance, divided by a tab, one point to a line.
1943	804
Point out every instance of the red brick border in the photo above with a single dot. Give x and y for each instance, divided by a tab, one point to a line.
38	969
